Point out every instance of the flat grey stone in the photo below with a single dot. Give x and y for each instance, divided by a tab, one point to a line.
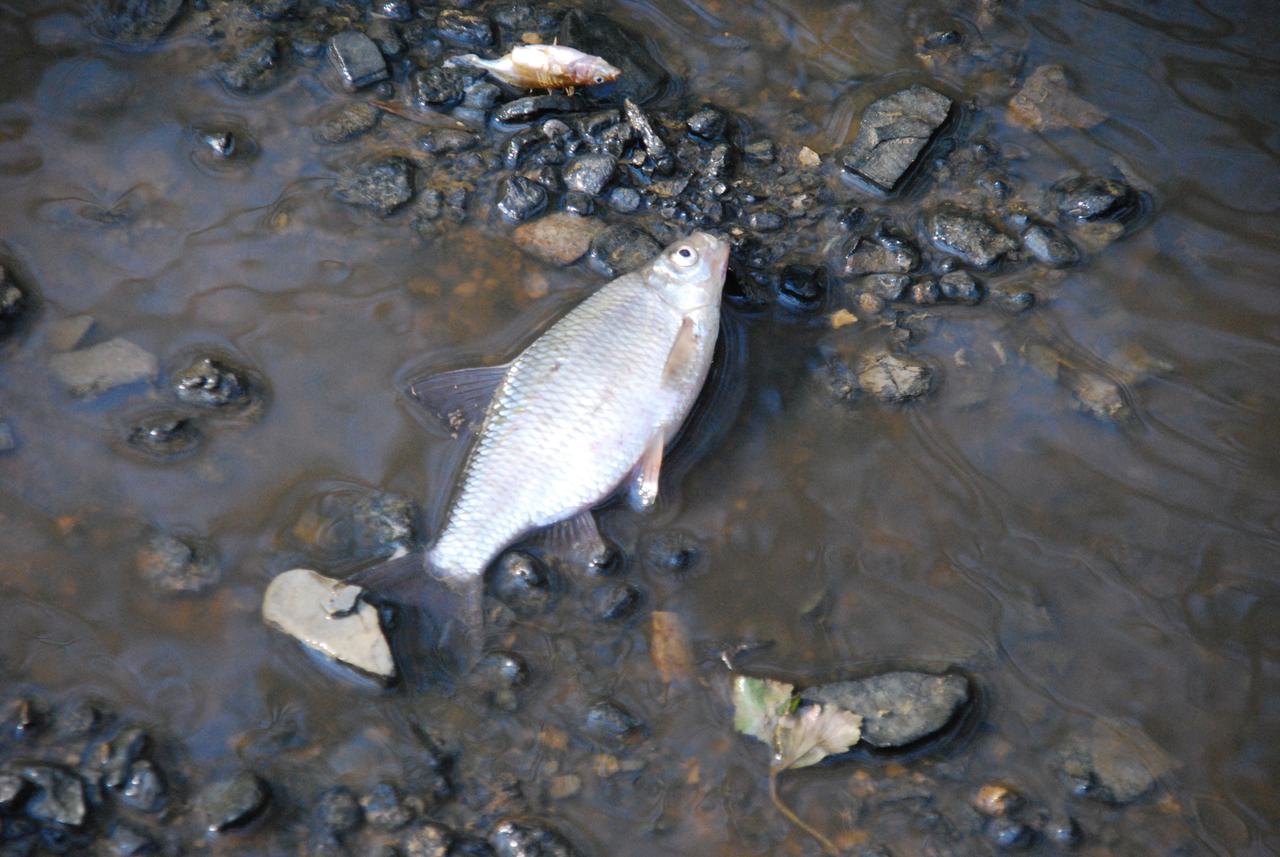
92	371
893	132
324	615
893	378
969	237
357	59
897	708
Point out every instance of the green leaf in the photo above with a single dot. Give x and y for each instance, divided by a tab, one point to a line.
811	734
758	704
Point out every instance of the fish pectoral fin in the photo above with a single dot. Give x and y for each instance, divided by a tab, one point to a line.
644	484
682	353
576	540
458	399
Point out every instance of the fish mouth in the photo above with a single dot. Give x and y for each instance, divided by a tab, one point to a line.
719	253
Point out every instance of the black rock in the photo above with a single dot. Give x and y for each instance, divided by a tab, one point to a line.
802	288
426	839
893	132
386	38
129	841
671	552
619	249
615	601
337	811
708	123
385	809
170	566
437	87
347	123
1049	246
467	29
254	68
273	10
164	434
446	141
897	708
972	239
609	721
233	802
624	200
545	175
58	796
1010	835
145	789
136	21
520	199
961	287
579	203
470	846
521	582
80	718
382	185
531	107
112	759
592	125
642	76
211	382
766	220
528	838
590	173
1092	198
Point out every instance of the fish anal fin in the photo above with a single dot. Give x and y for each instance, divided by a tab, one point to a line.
458	399
682	353
576	540
644	484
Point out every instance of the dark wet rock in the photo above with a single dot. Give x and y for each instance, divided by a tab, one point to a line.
481	95
500	675
521	582
386	38
592	125
144	790
337	811
707	123
609	721
447	141
521	198
960	287
1045	103
466	29
674	552
579	203
13	790
385	808
642	76
643	127
127	840
58	795
615	601
437	87
357	523
1049	246
8	440
253	68
135	21
112	760
470	846
212	382
347	123
893	132
624	200
80	718
760	151
1010	835
972	239
273	10
531	107
99	368
880	254
520	144
897	708
164	434
528	838
1012	300
1091	198
621	248
766	220
66	333
426	839
590	173
382	185
1064	831
887	287
803	287
233	802
559	238
925	292
547	176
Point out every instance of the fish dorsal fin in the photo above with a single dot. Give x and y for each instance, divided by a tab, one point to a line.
458	399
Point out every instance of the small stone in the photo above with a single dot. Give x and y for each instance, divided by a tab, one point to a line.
590	173
615	601
129	841
298	602
255	68
233	802
803	288
640	124
1046	103
564	786
144	790
708	123
520	199
883	254
382	185
673	552
164	434
1088	198
1010	835
1096	394
897	708
870	304
66	333
211	382
347	123
436	87
607	720
337	811
385	809
925	292
1049	246
893	132
624	200
972	239
1064	831
521	582
760	151
426	839
961	287
171	566
112	760
447	141
887	287
559	238
95	370
531	107
466	29
58	796
807	157
528	838
620	248
1013	300
579	204
842	318
996	800
766	220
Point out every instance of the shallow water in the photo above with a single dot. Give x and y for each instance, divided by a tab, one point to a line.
1078	570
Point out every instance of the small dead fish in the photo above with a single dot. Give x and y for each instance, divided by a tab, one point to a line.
544	67
587	408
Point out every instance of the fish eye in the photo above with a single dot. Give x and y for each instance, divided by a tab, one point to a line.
684	257
599	78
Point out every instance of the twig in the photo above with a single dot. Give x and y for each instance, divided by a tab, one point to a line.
827	845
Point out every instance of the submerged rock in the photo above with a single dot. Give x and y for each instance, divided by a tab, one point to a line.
609	721
1089	198
621	248
1049	246
1111	762
884	253
354	523
99	368
521	582
385	809
212	382
164	434
1046	103
521	198
233	802
347	123
327	616
892	377
528	838
972	239
357	59
172	566
382	185
893	132
66	333
253	68
58	795
559	238
465	29
590	173
961	287
135	21
897	708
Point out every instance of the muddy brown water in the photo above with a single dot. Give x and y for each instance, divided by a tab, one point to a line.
1078	570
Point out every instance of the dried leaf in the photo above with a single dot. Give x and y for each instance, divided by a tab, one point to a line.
669	646
811	734
758	706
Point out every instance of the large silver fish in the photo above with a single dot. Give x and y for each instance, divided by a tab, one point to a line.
586	409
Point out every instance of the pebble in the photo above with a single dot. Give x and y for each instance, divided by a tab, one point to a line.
624	200
960	287
528	838
607	720
1088	198
500	674
882	254
465	29
164	434
347	123
233	802
92	371
171	566
357	59
385	809
521	582
1010	835
531	107
437	87
521	198
1046	103
447	141
1113	765
254	68
996	800
590	173
383	185
925	292
426	839
972	239
144	790
893	132
621	248
579	203
708	123
564	786
897	708
615	601
674	552
211	382
1049	246
58	795
892	377
559	238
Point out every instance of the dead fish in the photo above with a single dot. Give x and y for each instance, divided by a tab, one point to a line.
544	67
586	409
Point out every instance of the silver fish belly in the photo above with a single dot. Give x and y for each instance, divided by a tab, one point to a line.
587	405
